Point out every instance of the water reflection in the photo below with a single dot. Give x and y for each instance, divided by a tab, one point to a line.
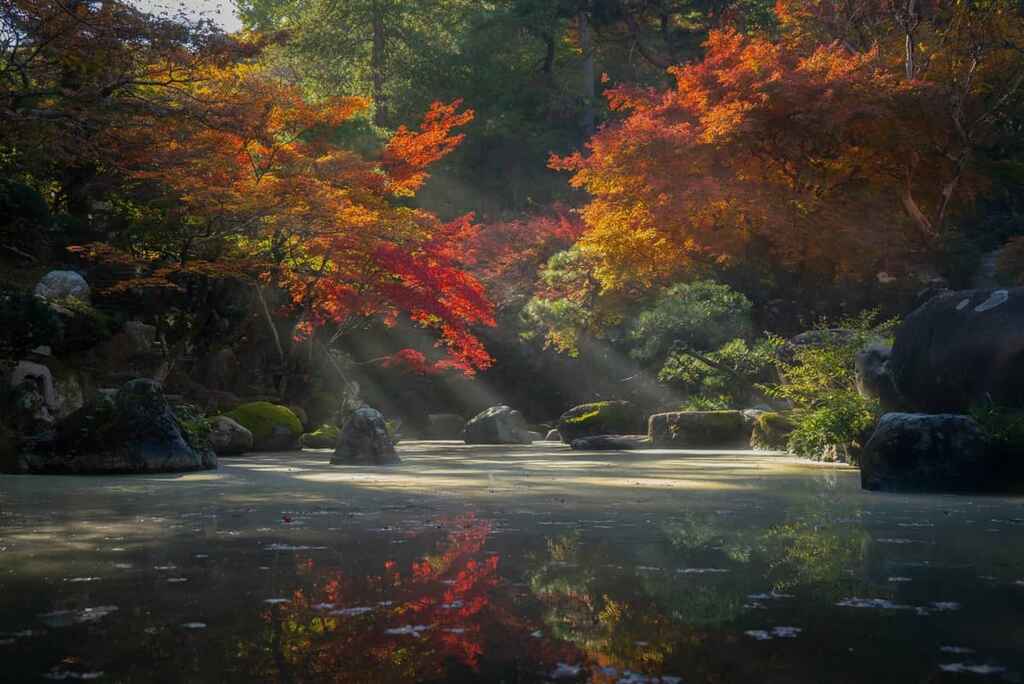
813	581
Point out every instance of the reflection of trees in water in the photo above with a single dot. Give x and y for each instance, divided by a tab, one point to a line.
612	602
443	600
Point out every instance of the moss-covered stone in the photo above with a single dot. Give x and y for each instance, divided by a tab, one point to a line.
273	427
132	430
324	437
699	430
771	431
600	418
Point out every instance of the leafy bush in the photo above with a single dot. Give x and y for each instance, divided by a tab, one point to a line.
26	322
818	379
702	315
724	378
1003	427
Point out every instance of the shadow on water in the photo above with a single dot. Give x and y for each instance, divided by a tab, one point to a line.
506	564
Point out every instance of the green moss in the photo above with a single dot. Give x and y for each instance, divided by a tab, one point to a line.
771	432
600	418
260	417
193	425
324	437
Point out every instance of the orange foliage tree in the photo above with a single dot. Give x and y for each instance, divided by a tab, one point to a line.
259	189
808	153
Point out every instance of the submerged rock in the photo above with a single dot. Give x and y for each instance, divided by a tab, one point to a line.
600	418
228	437
364	440
498	425
961	349
699	430
273	427
445	426
611	443
922	452
132	431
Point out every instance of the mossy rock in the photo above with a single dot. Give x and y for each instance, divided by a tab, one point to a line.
699	430
273	427
771	431
324	437
600	418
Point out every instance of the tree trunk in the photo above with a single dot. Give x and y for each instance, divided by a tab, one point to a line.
283	358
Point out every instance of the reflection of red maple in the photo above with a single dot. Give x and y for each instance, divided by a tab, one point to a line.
445	593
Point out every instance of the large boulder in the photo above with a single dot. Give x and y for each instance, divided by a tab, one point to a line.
273	427
926	452
600	418
445	426
57	285
229	437
364	440
961	349
497	425
34	398
699	430
132	430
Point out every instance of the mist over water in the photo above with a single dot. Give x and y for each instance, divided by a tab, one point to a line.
525	564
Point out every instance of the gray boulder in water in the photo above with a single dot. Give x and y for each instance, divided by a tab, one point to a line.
961	349
498	425
364	440
928	452
131	431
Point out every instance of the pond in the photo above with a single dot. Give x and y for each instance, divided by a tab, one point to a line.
507	564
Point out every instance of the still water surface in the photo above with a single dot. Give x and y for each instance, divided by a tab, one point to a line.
532	564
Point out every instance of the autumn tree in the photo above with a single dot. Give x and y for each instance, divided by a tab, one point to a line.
827	161
71	72
261	192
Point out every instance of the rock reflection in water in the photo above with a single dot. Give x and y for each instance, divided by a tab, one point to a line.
786	581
